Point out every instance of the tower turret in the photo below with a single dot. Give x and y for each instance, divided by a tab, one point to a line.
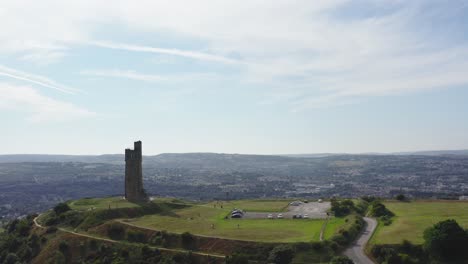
134	190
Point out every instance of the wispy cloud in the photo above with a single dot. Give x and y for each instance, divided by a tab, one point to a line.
36	79
37	107
128	74
176	52
138	76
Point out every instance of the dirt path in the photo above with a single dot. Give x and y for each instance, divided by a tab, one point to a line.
356	250
324	226
119	242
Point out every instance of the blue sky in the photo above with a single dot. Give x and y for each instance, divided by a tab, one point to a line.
265	77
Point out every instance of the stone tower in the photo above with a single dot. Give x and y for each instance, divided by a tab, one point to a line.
134	191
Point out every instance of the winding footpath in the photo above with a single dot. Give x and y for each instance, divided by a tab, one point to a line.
119	242
356	250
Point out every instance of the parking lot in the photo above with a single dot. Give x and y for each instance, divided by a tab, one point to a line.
314	210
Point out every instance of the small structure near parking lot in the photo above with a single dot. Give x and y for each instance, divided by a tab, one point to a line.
237	213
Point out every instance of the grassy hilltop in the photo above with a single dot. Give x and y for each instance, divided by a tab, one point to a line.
412	218
183	231
208	219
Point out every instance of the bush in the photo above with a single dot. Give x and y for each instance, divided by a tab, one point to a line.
11	258
341	260
378	209
386	220
342	208
400	197
237	259
446	241
136	236
51	230
188	240
93	245
63	247
23	228
61	208
116	232
282	254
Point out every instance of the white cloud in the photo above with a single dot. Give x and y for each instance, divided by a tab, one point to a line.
35	79
128	74
175	52
37	107
138	76
319	57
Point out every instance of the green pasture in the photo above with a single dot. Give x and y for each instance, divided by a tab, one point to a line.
111	202
100	203
412	218
208	220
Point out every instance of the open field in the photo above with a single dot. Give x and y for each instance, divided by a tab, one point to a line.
112	202
208	220
414	217
100	203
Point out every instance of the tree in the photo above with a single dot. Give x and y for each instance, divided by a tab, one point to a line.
64	247
341	260
446	241
237	259
11	258
400	197
61	208
378	210
188	240
282	254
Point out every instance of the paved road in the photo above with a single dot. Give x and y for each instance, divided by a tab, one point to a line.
356	250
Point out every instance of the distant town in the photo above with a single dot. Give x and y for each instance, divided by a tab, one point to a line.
34	183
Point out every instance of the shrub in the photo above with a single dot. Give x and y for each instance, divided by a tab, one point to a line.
446	241
51	229
116	232
342	208
23	228
188	240
63	247
378	209
237	259
93	245
400	197
282	254
341	260
61	208
136	236
11	258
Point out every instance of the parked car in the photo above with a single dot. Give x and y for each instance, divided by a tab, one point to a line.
280	216
270	216
306	216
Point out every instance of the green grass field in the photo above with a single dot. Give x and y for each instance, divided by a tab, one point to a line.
100	203
200	220
333	225
414	217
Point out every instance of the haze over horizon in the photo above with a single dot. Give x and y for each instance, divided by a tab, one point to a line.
253	77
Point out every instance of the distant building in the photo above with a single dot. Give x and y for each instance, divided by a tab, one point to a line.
134	191
463	198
